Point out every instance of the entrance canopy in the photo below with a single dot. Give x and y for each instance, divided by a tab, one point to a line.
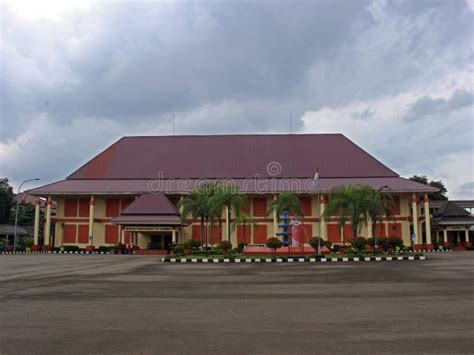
149	208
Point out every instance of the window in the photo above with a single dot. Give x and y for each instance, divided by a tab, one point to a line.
84	204
70	207
260	234
259	205
112	207
111	234
69	233
83	234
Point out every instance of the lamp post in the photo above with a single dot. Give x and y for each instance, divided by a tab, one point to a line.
16	212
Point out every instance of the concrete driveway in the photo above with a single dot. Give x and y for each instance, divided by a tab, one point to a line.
80	304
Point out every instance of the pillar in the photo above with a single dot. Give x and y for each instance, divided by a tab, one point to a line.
37	221
386	229
47	225
466	234
445	235
427	219
173	236
322	222
227	224
91	220
275	219
414	207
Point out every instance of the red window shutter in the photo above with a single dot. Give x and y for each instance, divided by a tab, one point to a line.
84	207
245	208
83	234
240	234
216	237
196	230
111	234
259	205
126	202
307	232
260	234
306	205
395	229
334	234
70	207
69	235
112	207
396	208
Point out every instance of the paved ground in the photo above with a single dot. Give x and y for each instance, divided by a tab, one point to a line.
121	304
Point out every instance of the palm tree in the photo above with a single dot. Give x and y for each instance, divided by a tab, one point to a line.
348	203
245	220
378	204
287	201
229	197
196	204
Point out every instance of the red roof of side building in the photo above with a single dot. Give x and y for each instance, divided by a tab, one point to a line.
256	163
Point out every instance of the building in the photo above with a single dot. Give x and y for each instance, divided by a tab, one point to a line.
129	192
451	222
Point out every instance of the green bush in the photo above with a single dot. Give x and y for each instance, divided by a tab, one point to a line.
104	249
315	241
178	249
383	243
192	244
225	246
359	243
395	242
28	242
328	244
273	243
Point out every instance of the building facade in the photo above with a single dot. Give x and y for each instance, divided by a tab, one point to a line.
129	193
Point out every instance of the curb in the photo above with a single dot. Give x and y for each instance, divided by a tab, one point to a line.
430	251
294	260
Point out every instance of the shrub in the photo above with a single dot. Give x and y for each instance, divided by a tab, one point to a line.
315	241
104	249
226	246
328	244
28	242
359	243
383	243
273	243
336	248
395	242
178	249
192	244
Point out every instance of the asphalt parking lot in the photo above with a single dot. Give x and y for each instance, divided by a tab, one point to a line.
125	304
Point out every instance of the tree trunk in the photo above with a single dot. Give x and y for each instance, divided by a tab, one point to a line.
202	230
228	225
244	225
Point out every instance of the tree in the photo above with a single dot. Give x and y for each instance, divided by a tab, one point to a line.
378	204
245	220
6	200
348	203
26	215
287	201
196	204
441	195
230	198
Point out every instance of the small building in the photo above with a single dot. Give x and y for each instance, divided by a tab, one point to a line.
129	192
452	224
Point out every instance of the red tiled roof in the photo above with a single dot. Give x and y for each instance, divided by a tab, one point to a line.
171	186
151	204
233	156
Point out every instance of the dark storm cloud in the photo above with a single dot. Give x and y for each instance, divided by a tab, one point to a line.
429	107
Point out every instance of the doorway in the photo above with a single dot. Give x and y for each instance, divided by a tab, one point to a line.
160	241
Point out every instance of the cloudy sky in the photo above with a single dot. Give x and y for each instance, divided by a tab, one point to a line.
394	76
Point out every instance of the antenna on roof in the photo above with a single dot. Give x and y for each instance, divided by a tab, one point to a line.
173	124
291	122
